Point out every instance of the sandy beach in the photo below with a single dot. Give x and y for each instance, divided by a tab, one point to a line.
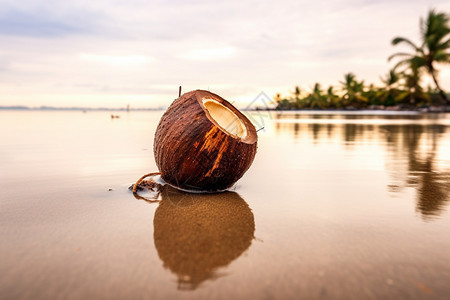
335	206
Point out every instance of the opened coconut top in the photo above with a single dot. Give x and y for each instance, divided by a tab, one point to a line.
225	116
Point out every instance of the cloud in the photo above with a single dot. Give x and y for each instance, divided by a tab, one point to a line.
209	53
235	48
117	60
22	23
44	22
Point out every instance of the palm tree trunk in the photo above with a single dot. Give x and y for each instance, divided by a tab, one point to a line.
441	92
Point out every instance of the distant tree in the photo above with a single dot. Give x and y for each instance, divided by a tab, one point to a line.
297	92
391	79
331	98
434	47
353	91
413	93
277	97
282	103
317	99
371	94
388	94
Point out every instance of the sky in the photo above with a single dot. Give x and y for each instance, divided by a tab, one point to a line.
115	53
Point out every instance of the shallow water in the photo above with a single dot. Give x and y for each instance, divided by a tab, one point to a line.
335	206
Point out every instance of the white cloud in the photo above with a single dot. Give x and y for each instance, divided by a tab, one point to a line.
209	53
67	50
117	60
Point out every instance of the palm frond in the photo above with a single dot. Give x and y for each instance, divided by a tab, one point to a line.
399	40
399	54
406	63
445	45
442	57
418	62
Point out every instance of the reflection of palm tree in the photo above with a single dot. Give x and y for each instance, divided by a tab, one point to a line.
291	127
433	190
350	132
434	46
315	128
195	234
296	126
432	186
330	128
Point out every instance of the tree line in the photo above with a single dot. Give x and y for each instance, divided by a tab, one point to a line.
402	85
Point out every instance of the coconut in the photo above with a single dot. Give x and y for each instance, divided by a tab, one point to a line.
203	143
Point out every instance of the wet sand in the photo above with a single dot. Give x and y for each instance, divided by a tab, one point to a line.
334	207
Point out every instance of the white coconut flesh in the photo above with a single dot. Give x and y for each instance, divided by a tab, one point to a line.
226	119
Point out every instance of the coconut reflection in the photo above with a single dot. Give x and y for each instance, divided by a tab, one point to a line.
411	149
197	234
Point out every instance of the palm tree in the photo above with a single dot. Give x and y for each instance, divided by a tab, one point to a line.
297	101
349	80
434	48
387	95
371	94
391	79
348	88
297	93
283	103
413	90
353	91
316	98
332	98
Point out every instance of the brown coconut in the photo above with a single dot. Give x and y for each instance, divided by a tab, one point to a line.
203	143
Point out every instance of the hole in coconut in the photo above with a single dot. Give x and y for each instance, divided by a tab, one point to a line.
225	118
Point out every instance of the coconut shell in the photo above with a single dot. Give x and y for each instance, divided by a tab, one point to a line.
198	152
